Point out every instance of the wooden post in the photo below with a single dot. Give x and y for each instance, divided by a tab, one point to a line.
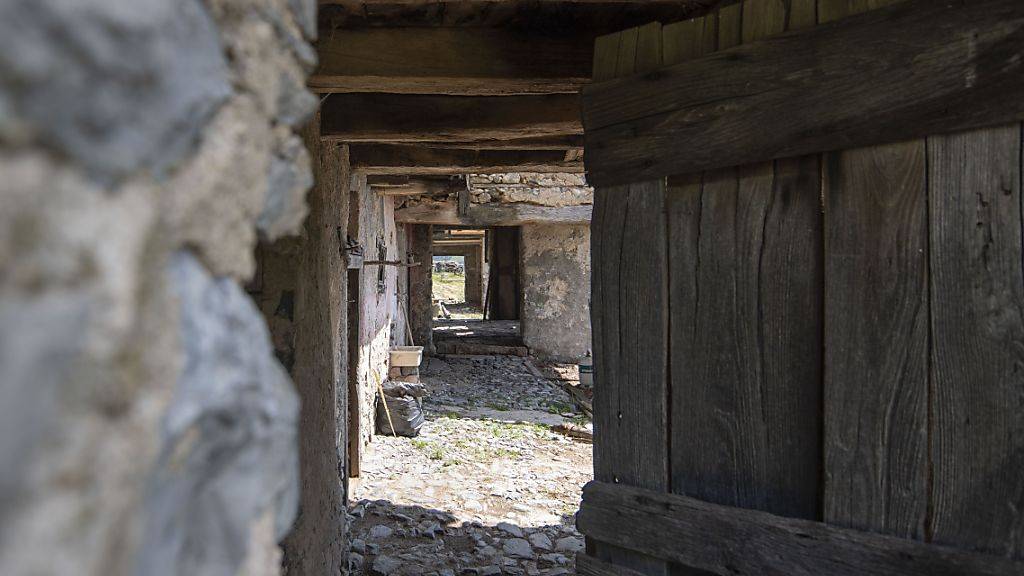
421	318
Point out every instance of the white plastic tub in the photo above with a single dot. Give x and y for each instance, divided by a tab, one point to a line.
406	356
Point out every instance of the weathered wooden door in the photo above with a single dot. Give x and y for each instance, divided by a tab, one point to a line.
808	315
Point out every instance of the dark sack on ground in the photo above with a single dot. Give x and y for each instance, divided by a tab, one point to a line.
406	415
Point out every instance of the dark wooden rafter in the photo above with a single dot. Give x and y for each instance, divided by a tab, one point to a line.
417	187
920	67
458	61
482	215
419	118
543	143
728	540
391	159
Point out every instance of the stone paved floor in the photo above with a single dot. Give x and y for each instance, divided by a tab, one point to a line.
487	488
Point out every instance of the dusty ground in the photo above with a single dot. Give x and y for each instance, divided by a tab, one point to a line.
487	488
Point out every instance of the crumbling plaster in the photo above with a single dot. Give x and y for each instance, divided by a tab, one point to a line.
556	290
143	146
380	323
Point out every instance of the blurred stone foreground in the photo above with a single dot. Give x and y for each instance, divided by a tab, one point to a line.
145	426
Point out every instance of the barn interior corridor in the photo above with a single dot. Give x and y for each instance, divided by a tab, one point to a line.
327	287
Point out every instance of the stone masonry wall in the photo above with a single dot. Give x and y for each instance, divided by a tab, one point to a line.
378	302
145	424
556	290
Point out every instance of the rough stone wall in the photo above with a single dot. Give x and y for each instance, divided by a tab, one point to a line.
145	426
378	302
530	188
316	544
556	290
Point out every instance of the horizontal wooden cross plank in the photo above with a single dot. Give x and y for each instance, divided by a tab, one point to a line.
446	214
916	68
376	159
420	118
417	187
551	143
462	61
726	540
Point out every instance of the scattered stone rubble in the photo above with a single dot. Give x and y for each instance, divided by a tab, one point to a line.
487	488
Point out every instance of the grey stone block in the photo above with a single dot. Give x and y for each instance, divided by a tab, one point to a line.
229	437
116	86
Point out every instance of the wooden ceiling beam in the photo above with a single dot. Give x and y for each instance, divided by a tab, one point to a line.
548	143
446	214
456	61
378	159
415	187
358	118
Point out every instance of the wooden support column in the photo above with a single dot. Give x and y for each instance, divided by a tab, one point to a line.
421	286
474	262
503	296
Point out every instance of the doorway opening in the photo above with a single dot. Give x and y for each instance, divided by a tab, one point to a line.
476	290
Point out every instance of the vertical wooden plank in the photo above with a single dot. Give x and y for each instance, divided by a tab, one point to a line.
606	55
746	319
876	376
629	318
829	10
683	198
730	26
747	353
977	315
762	18
802	14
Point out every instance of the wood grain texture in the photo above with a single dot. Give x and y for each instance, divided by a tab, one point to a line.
729	541
428	118
919	67
629	315
447	214
876	375
411	160
747	342
457	61
745	258
876	370
977	362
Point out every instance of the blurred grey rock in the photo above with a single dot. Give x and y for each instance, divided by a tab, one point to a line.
233	398
117	86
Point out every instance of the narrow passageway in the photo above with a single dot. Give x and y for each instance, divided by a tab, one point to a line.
491	484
